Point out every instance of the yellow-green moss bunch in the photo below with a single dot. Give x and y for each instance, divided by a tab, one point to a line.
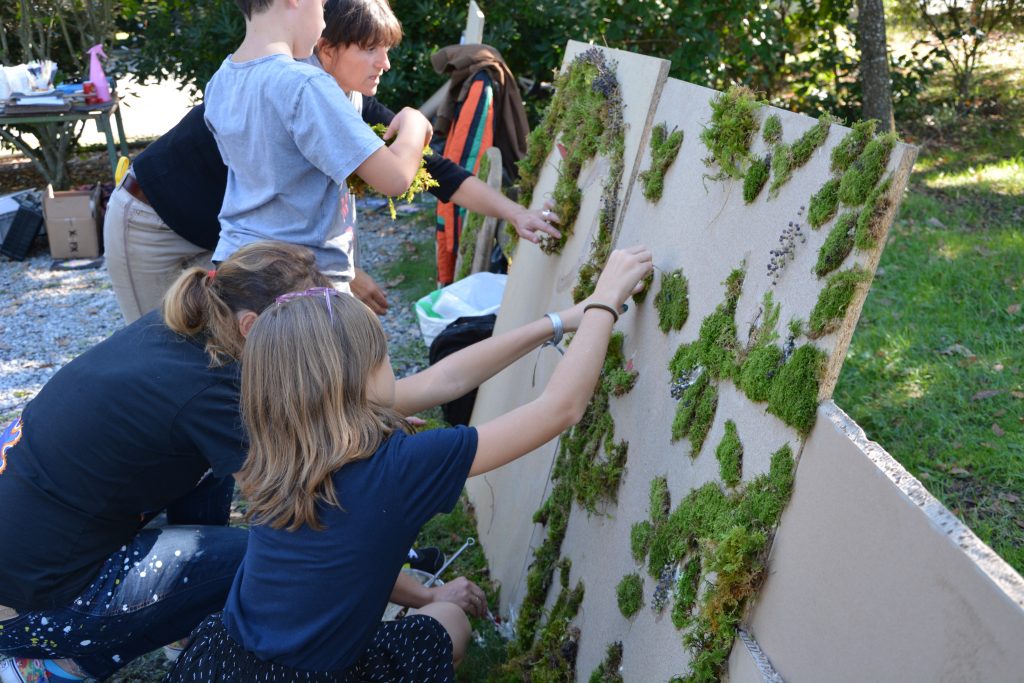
772	132
755	178
608	670
793	396
672	301
730	455
851	146
788	158
869	222
837	246
833	301
863	174
731	130
824	204
630	594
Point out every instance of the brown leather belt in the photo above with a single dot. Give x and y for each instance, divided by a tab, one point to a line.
132	187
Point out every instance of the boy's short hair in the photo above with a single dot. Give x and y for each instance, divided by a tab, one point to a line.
251	7
366	23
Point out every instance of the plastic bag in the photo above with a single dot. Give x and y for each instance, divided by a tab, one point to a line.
478	294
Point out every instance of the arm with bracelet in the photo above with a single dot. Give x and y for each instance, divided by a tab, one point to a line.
565	398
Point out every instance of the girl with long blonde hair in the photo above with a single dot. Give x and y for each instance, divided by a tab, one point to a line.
338	490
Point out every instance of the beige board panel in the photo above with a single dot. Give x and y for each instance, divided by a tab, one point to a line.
506	499
872	579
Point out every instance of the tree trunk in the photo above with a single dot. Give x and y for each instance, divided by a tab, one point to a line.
874	63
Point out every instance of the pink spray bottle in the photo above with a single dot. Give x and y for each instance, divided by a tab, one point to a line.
96	75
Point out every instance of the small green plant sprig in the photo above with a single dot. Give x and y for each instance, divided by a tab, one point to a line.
608	670
421	182
664	149
730	132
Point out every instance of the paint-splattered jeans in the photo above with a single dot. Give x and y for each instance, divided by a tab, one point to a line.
151	592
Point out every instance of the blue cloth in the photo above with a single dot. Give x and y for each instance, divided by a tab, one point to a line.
290	137
312	600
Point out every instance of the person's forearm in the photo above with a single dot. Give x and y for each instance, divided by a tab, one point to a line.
481	198
408	592
468	368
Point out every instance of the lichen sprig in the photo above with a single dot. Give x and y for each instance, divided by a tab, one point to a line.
421	182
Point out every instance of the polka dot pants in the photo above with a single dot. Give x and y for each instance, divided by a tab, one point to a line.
413	650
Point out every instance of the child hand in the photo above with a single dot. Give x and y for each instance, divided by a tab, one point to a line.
464	593
410	121
622	276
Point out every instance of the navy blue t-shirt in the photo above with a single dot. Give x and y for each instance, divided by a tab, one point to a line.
126	428
312	600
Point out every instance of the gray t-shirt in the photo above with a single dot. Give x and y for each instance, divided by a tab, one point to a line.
289	137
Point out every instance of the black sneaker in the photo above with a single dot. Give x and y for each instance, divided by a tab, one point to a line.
429	559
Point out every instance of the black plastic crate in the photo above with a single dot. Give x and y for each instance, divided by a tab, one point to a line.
22	232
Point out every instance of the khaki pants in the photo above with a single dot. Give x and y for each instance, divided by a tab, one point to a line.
144	256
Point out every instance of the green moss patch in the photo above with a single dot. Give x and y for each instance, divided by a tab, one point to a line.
608	670
630	594
640	539
755	178
758	371
837	246
833	301
824	204
585	116
793	396
851	146
664	149
864	173
772	131
788	158
731	130
717	345
730	455
672	301
660	500
870	221
728	535
695	413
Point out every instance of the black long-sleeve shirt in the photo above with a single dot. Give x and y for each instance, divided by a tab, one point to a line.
184	177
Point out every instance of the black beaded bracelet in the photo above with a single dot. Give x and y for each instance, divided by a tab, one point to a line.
603	307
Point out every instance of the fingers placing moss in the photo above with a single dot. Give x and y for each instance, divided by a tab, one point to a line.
837	246
630	594
641	296
834	299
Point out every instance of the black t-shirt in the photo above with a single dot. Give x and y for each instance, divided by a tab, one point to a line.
184	177
126	428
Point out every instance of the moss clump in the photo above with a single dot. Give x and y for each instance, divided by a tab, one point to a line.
695	413
552	657
672	301
864	173
824	204
686	594
660	500
608	670
726	534
788	158
756	177
833	301
641	296
772	131
585	115
837	245
851	146
758	371
731	130
664	149
765	331
730	455
640	539
620	381
869	223
793	397
630	594
717	344
421	182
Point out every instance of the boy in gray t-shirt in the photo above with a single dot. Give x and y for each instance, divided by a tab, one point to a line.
290	137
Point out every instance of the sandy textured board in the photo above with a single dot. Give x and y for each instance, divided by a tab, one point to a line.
872	579
505	500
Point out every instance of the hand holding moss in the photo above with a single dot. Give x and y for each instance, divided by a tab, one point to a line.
623	275
422	182
530	225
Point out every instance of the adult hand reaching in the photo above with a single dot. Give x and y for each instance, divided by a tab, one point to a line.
464	593
366	289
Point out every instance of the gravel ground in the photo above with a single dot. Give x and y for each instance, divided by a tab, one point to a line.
47	316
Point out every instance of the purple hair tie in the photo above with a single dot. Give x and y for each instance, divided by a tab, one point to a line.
327	293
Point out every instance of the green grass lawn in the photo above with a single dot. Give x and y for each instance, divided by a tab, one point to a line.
935	372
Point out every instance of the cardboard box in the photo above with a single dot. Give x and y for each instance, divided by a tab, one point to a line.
71	224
